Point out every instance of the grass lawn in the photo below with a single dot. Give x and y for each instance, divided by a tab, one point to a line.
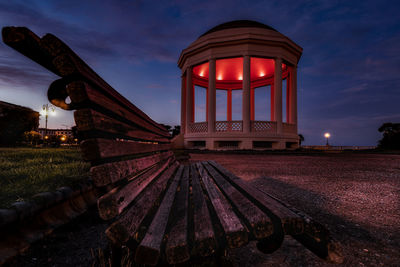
25	172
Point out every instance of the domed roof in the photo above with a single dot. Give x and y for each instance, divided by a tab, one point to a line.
239	24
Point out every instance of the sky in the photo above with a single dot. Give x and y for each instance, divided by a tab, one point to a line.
348	75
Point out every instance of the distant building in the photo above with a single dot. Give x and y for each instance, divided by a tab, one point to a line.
14	121
56	132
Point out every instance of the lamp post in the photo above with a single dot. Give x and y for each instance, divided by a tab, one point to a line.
327	135
45	112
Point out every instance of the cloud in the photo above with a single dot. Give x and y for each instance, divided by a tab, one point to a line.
355	89
19	75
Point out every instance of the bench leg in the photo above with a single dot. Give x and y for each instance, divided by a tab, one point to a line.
116	256
326	248
273	242
223	261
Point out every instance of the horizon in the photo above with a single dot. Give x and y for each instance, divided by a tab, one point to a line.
348	75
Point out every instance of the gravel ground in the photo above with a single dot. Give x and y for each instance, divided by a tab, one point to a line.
357	196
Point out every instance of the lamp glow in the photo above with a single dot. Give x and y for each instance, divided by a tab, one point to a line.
327	135
45	112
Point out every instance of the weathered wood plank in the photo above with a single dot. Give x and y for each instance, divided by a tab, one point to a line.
91	120
291	222
109	173
260	224
235	232
149	249
116	200
100	148
84	95
128	223
204	243
316	237
69	63
177	248
321	243
56	56
27	43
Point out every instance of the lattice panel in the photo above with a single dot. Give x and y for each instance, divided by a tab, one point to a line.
262	126
198	127
228	126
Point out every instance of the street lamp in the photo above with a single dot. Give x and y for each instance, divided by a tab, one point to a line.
45	112
327	135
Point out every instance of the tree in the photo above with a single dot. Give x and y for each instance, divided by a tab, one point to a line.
14	121
173	131
176	131
167	127
391	136
32	137
301	139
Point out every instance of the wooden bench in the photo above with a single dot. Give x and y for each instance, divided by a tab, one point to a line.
162	210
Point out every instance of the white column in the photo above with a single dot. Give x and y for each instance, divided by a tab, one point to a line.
246	95
293	95
211	96
189	98
278	94
183	104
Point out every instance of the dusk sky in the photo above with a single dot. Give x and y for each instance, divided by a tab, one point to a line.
348	75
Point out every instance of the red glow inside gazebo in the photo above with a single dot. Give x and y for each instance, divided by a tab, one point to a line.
231	69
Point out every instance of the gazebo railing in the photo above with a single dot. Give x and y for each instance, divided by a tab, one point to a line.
198	127
263	126
228	126
237	126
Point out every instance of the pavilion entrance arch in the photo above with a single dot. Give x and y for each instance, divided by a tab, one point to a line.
232	60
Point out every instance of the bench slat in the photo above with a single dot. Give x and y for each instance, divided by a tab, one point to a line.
100	148
56	56
316	237
177	249
205	243
109	173
235	232
83	95
128	223
89	120
291	222
116	200
28	43
148	251
260	224
69	63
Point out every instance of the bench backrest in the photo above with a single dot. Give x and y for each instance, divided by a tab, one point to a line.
118	139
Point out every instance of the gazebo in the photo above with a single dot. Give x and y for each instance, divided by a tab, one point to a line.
239	88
